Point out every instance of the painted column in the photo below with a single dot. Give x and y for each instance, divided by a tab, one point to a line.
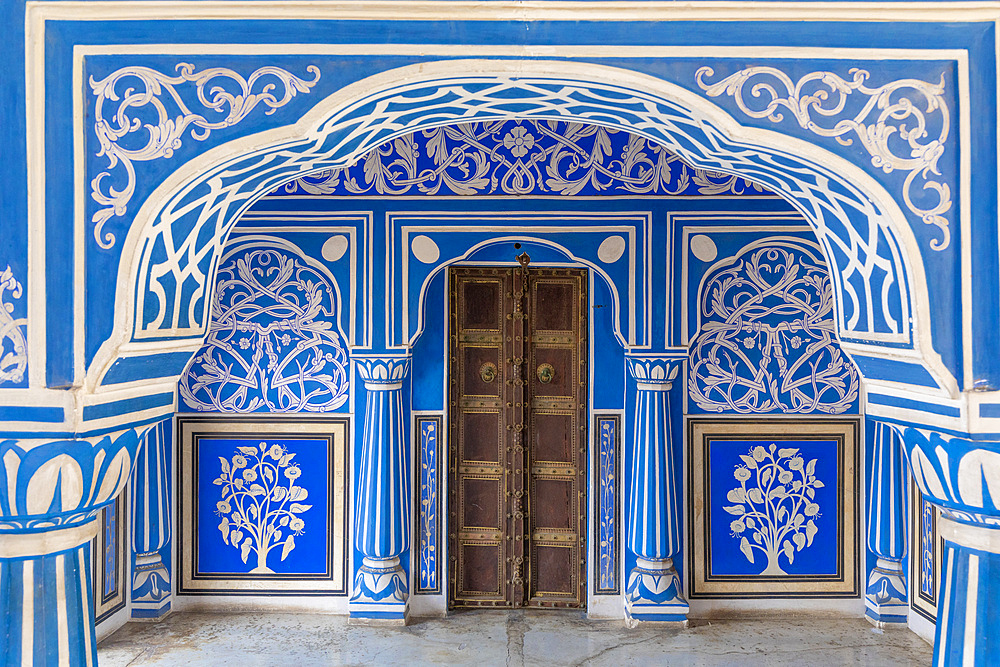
885	594
970	601
50	495
382	501
653	592
151	526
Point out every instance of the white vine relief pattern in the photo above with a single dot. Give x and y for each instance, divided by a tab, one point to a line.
766	340
260	503
13	346
903	125
774	505
520	157
271	344
148	119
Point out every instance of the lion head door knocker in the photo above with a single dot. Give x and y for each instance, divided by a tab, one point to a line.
545	373
488	372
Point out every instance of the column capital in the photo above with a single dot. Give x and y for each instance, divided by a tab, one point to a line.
383	373
653	372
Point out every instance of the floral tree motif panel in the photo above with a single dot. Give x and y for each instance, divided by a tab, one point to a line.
263	506
520	157
766	337
606	529
926	556
273	345
776	508
429	506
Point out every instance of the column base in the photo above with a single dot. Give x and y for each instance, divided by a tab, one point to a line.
885	597
150	587
380	591
653	594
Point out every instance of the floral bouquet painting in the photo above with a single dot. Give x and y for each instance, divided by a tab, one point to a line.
774	506
261	506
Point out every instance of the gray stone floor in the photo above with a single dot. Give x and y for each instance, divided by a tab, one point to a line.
503	638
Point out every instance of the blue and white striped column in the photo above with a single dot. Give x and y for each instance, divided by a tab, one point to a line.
885	594
969	604
47	598
382	501
653	592
151	526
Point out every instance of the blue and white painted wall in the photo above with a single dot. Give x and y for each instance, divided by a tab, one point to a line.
108	268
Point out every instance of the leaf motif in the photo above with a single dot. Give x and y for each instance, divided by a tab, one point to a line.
245	549
782	511
810	531
284	521
253	512
235	536
757	538
800	540
224	527
789	551
777	492
285	460
257	490
811	492
225	465
765	476
289	545
277	536
297	493
745	548
787	452
811	468
817	484
247	451
735	510
755	495
749	461
268	475
295	508
219	481
737	495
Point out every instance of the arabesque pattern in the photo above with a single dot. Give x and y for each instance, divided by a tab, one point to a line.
766	341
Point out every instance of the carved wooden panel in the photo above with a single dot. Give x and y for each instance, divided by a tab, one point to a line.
518	422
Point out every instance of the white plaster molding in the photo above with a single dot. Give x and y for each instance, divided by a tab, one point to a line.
32	545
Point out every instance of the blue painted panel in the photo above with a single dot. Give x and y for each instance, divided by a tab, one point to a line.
894	371
130	369
263	506
773	507
607	530
429	512
31	414
919	406
127	406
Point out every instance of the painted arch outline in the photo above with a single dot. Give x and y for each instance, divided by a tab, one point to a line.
172	250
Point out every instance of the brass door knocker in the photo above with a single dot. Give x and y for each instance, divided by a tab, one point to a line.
546	373
488	372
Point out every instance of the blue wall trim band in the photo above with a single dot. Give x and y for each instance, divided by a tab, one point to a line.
19	413
909	404
128	405
150	366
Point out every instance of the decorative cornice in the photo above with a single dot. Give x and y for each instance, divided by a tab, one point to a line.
164	137
894	125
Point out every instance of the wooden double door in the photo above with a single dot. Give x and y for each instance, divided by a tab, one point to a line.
518	433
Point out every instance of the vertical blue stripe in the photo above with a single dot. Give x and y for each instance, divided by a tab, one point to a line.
886	497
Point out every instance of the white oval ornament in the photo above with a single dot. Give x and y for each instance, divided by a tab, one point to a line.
704	248
425	250
611	250
334	248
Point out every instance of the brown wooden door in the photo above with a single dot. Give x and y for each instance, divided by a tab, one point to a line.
518	432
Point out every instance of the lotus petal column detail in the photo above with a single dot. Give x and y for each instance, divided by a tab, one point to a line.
653	592
885	594
50	495
382	503
151	526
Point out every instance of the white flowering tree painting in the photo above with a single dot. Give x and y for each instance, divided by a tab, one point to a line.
261	505
774	505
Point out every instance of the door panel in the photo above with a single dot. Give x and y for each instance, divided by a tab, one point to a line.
518	424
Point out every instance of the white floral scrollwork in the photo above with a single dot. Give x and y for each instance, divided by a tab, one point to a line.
13	346
903	125
766	341
779	509
271	345
520	157
145	110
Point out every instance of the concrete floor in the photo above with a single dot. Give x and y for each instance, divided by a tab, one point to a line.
503	638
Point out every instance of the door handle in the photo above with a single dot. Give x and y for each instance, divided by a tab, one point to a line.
545	373
488	372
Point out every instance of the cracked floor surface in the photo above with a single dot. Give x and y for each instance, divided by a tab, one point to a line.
512	638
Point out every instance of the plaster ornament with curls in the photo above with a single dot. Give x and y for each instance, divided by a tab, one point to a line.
902	125
152	95
13	346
